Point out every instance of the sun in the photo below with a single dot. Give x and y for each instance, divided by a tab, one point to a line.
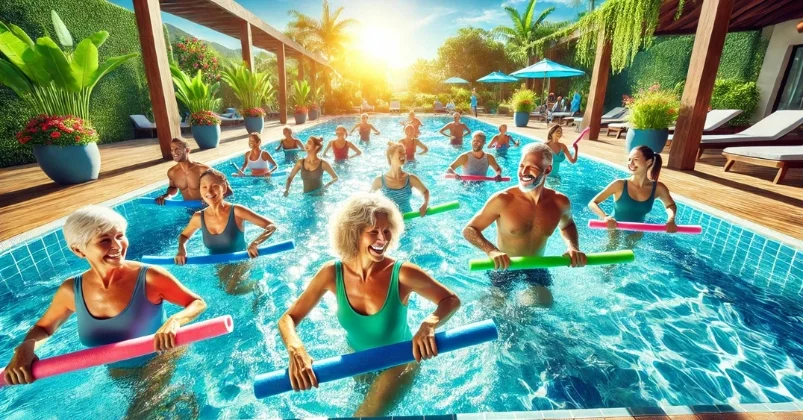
381	43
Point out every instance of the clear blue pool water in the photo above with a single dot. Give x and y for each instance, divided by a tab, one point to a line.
697	320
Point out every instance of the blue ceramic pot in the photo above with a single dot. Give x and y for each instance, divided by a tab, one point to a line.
654	139
207	136
521	118
313	114
301	118
69	164
254	124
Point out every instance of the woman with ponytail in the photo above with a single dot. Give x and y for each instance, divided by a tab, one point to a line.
633	197
396	184
560	151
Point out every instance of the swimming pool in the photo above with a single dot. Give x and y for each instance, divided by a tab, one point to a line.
697	320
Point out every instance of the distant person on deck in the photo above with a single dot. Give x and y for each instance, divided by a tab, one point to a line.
474	101
185	176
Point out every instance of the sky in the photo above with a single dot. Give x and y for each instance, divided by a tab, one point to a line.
398	31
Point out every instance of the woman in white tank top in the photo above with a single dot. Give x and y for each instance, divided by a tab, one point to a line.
256	159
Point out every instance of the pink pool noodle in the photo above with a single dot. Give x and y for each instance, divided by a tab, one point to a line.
477	178
125	350
645	227
582	134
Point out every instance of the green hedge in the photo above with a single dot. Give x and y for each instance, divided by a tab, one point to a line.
667	63
121	93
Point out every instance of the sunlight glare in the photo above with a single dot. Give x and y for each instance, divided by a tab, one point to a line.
381	43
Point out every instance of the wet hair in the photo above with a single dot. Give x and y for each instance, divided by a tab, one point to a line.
358	213
541	148
287	130
657	161
179	141
480	134
256	136
502	125
552	130
340	127
221	177
392	147
317	141
90	221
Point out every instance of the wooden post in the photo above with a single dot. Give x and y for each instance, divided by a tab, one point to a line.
300	75
599	84
157	72
708	42
282	90
246	43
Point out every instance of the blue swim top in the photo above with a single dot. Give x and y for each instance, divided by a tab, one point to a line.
557	159
476	166
232	239
400	196
138	319
388	326
626	209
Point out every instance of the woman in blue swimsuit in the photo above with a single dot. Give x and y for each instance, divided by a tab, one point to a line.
560	152
115	300
397	185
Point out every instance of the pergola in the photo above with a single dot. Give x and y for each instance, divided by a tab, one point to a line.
710	21
224	16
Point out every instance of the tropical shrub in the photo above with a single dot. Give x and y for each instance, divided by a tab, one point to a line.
252	88
316	98
204	118
460	94
523	100
653	109
736	94
503	109
194	93
194	55
58	131
301	94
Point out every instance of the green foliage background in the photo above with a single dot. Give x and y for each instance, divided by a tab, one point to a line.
121	93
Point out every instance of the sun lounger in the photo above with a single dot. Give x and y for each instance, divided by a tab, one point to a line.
395	106
769	131
438	107
224	120
715	119
619	116
781	157
143	124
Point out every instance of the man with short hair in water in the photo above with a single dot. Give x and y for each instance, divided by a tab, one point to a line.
476	162
414	121
185	176
526	215
457	130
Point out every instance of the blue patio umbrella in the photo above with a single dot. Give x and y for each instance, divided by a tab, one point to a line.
547	69
498	77
455	81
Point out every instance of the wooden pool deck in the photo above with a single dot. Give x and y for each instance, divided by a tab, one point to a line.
28	199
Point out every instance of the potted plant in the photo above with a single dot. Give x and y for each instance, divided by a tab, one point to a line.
301	91
201	99
252	89
652	112
314	108
57	85
523	102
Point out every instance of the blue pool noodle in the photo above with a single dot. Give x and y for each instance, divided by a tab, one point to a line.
379	358
220	258
171	203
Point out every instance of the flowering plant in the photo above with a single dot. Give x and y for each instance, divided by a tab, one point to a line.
254	112
313	106
653	109
57	131
193	54
300	109
204	118
523	100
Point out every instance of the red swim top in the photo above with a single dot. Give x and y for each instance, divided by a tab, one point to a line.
341	153
409	147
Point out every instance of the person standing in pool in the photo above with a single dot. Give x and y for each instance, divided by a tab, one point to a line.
258	161
414	121
222	224
525	217
633	197
476	162
560	151
185	176
397	184
340	146
474	101
457	130
411	143
114	300
311	168
365	128
373	291
290	145
502	140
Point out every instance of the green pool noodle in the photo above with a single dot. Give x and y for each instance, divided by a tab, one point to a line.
523	263
440	208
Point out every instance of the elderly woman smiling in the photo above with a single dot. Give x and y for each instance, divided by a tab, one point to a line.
372	293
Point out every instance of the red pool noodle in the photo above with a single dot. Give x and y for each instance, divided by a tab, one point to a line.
476	178
645	227
582	134
125	350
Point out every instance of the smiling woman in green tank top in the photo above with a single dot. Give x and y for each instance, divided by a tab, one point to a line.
372	291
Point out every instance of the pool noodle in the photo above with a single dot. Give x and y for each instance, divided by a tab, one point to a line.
476	178
645	227
348	365
522	263
582	133
277	172
220	258
171	203
433	210
124	350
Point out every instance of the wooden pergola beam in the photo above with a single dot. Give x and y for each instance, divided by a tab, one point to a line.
712	29
282	88
246	42
599	83
157	72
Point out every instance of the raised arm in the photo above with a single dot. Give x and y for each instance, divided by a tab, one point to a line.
163	286
355	148
354	128
484	218
328	168
594	204
420	144
568	230
565	150
267	225
662	192
416	183
185	235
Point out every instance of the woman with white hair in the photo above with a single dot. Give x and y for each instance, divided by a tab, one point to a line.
115	300
372	293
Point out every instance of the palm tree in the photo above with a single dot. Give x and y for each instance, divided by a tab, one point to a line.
526	29
327	36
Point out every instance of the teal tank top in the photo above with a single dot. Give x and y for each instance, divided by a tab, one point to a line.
139	318
232	239
557	159
388	326
626	209
400	196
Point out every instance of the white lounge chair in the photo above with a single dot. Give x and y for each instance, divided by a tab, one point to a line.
781	157
616	115
395	106
768	131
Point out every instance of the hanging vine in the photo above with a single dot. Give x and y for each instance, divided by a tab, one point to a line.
628	24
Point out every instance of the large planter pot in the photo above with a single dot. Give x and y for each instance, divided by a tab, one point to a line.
69	164
207	136
521	118
313	114
300	117
254	124
654	139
